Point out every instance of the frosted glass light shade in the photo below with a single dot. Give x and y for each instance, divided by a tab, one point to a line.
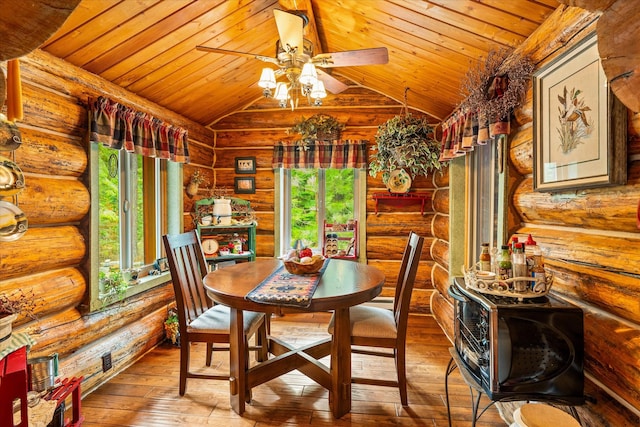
267	79
318	91
309	75
282	92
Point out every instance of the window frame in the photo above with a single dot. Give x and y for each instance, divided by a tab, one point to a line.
464	237
282	201
167	190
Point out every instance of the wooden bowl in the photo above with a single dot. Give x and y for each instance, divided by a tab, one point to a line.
295	267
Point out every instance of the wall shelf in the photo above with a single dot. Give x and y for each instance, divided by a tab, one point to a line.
402	199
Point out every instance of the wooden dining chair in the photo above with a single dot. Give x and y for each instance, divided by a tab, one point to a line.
199	319
376	328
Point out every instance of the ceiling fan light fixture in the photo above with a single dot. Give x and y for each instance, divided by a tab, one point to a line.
282	94
318	92
267	79
309	75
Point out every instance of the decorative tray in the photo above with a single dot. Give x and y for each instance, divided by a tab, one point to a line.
487	283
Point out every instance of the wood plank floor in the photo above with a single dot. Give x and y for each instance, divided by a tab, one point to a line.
146	394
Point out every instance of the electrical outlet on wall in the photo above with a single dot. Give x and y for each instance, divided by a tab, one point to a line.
106	362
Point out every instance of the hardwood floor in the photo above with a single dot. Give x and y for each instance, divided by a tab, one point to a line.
146	394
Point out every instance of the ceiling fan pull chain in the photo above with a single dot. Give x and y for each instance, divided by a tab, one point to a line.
405	108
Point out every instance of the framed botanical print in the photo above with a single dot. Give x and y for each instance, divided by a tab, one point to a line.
580	128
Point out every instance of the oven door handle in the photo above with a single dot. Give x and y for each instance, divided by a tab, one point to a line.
455	293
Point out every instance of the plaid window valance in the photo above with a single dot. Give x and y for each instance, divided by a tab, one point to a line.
120	127
338	154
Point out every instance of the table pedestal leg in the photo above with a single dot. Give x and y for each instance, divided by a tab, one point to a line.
238	361
340	394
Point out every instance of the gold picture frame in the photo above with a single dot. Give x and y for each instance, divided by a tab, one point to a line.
580	127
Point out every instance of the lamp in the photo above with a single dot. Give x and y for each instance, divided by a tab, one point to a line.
306	79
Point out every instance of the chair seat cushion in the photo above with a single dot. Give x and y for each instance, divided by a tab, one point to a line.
374	322
216	320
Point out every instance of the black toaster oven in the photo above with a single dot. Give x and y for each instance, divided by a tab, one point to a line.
525	350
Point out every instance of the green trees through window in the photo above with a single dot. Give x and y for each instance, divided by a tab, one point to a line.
318	195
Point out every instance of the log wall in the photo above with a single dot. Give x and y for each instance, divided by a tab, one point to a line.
590	241
255	130
50	258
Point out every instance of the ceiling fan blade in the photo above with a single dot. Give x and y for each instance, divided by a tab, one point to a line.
351	58
290	29
237	53
332	84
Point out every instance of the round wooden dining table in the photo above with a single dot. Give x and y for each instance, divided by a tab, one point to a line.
343	284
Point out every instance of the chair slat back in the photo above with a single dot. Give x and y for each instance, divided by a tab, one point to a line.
406	280
188	267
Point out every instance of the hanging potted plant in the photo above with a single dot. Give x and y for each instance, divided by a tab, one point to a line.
319	127
405	147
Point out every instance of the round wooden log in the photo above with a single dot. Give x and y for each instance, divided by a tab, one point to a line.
612	351
54	201
50	153
614	252
391	248
612	292
124	350
55	290
521	150
524	114
440	252
399	224
612	208
52	334
24	26
441	201
440	227
392	267
58	75
42	249
443	313
618	35
440	280
441	178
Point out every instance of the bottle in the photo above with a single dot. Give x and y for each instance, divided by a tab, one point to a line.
533	254
485	258
519	264
540	284
504	264
514	241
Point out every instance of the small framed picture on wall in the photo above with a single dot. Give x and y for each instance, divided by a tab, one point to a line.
245	165
245	185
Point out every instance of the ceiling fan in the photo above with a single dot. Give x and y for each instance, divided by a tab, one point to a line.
295	60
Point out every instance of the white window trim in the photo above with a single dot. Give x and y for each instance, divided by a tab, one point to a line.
174	225
282	204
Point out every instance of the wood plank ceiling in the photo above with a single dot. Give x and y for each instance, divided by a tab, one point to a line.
148	46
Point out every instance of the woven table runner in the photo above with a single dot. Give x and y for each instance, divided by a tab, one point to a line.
284	288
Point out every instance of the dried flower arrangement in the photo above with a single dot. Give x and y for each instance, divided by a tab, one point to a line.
20	302
478	87
197	178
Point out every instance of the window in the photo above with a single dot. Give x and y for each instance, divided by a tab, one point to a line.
483	199
131	210
477	207
316	195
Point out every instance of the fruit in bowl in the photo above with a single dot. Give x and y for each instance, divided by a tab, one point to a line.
304	265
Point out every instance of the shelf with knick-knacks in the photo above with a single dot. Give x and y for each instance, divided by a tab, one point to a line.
340	240
228	243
